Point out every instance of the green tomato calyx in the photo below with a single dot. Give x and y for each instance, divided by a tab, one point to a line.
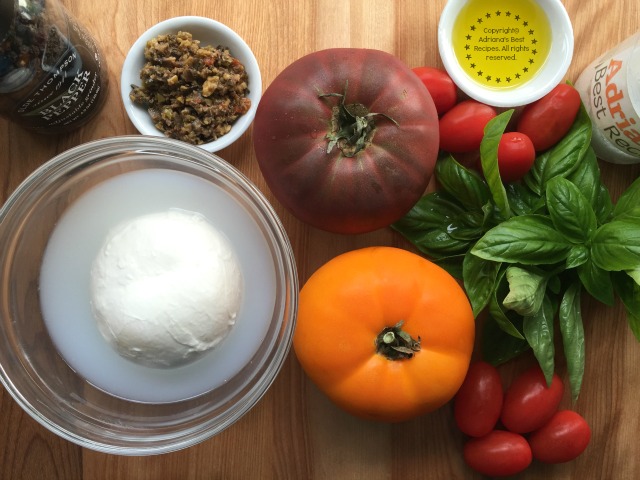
352	125
396	344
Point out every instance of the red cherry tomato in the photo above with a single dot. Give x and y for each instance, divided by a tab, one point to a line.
516	155
462	127
498	454
529	403
549	119
561	439
478	403
440	86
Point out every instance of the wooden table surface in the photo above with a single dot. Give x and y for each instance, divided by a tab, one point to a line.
294	432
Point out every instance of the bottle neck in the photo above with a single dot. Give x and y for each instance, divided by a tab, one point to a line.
7	16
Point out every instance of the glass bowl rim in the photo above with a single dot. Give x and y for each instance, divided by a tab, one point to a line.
80	156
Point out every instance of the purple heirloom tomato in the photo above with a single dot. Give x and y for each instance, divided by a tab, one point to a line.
347	139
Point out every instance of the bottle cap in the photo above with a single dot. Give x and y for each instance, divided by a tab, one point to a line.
505	53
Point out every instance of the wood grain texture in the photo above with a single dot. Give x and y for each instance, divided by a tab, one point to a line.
294	432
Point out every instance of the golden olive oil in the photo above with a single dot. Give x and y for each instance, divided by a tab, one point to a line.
501	44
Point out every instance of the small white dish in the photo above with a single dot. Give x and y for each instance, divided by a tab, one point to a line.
548	75
208	32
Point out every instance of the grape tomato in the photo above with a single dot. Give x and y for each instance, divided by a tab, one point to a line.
462	127
440	86
547	120
529	403
562	439
478	403
516	155
498	454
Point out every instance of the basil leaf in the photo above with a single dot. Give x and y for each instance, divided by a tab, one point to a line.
564	157
635	275
489	159
616	245
578	255
480	277
452	264
604	205
538	331
533	178
629	291
554	284
526	291
572	330
432	211
631	214
465	185
526	239
428	223
597	282
499	347
570	211
522	200
466	227
496	310
587	179
491	216
629	200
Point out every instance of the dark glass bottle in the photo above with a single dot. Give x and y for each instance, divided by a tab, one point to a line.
53	77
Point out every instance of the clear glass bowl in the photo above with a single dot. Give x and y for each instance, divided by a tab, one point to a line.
37	375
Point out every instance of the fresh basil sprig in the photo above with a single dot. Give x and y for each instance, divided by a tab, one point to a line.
526	251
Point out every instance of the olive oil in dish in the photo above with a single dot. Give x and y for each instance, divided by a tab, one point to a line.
505	53
501	44
66	273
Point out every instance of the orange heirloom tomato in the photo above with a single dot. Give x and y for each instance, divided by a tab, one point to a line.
386	334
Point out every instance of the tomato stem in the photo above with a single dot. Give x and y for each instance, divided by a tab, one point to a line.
352	125
396	344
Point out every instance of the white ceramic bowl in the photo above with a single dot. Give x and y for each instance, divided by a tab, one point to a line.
550	74
208	32
47	381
